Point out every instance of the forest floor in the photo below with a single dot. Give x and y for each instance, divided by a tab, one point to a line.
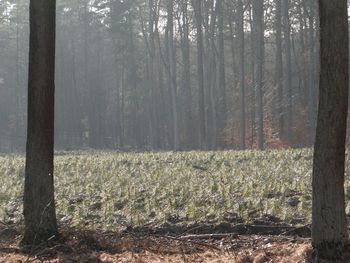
93	246
169	207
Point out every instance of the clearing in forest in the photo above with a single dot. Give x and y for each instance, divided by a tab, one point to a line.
252	202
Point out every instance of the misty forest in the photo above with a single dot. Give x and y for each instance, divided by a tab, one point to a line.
174	131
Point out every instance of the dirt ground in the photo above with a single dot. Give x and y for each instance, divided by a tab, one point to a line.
97	246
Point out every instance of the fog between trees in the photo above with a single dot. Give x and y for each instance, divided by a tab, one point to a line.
169	75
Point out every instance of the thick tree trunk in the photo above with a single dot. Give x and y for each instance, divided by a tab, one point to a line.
329	233
39	202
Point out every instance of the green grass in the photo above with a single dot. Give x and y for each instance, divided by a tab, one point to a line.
109	190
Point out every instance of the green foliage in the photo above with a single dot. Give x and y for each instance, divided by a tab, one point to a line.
114	190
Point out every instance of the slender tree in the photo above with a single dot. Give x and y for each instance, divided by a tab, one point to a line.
309	10
240	33
197	6
329	233
172	72
221	66
186	81
258	28
212	93
39	203
279	68
288	67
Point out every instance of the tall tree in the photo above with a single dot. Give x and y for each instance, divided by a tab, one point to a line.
258	28
172	72
241	47
210	65
288	71
186	81
197	6
312	70
329	233
279	68
39	203
221	66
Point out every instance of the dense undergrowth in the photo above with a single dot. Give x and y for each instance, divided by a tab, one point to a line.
117	190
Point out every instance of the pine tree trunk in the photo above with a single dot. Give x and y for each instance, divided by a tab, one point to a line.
197	6
288	74
329	233
258	25
186	61
279	69
312	78
241	68
39	202
172	74
221	111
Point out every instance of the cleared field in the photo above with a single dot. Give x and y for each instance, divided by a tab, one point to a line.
116	190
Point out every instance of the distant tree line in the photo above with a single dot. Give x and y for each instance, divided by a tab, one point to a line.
170	75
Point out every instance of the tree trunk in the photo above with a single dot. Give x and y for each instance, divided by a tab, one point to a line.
258	23
172	73
185	48
279	69
329	233
39	203
241	68
197	6
235	81
210	73
221	111
253	77
288	74
311	72
17	89
303	65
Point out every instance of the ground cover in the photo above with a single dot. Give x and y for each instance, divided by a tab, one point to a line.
260	197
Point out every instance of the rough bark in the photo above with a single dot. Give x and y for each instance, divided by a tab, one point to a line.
329	234
39	203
